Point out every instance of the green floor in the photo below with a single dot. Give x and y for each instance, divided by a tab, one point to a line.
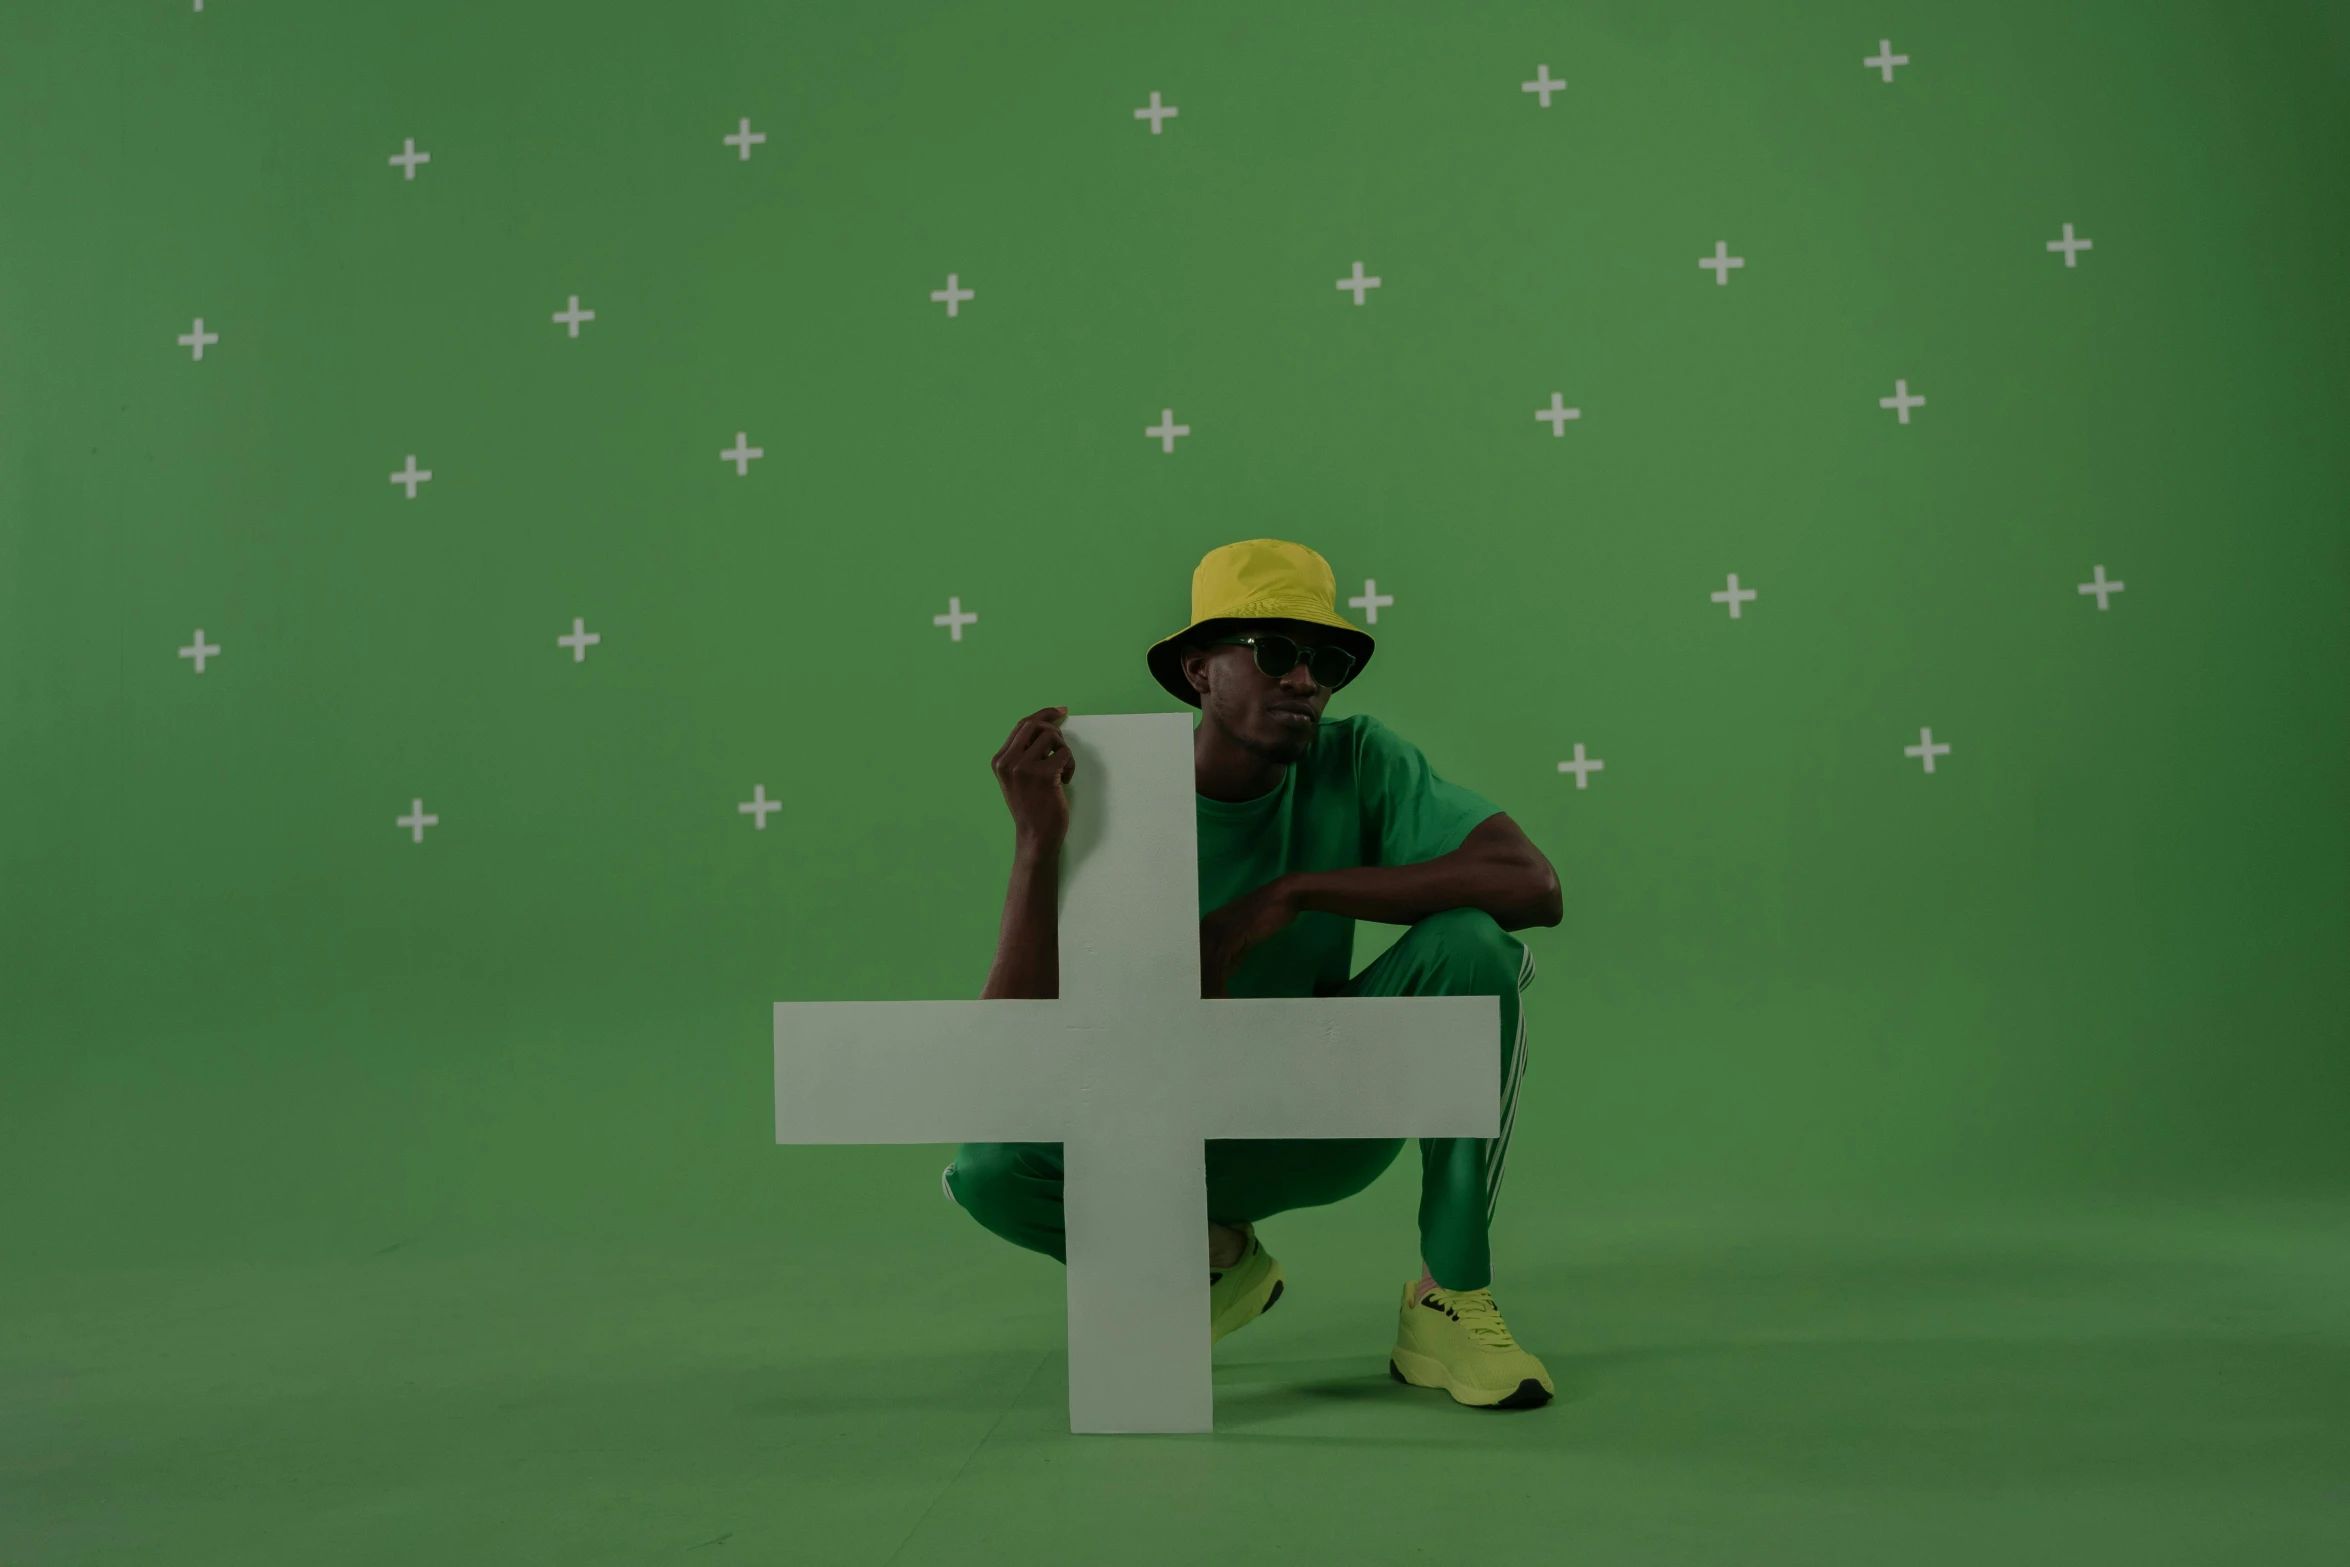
2143	1385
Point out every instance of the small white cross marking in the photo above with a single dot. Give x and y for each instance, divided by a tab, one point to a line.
742	454
198	338
1165	431
1156	115
1885	61
1901	402
1581	768
2071	246
1358	282
2100	587
1558	413
952	295
412	476
580	640
573	316
758	805
955	619
1370	601
408	157
1542	84
1926	748
416	821
201	651
1733	595
746	138
1721	261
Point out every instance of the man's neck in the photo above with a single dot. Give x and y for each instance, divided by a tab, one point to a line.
1223	769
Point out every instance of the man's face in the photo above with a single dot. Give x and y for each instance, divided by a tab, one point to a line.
1274	719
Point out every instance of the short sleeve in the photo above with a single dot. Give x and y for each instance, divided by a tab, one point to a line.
1409	813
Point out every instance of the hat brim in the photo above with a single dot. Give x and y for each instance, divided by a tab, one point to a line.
1166	657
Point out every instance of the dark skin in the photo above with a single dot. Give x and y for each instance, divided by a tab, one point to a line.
1252	730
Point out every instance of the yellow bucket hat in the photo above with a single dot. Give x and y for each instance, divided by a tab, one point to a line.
1256	579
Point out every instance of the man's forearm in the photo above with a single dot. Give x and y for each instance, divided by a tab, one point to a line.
1028	947
1515	893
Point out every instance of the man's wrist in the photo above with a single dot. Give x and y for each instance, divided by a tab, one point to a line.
1297	890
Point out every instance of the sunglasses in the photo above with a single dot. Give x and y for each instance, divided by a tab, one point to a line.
1277	655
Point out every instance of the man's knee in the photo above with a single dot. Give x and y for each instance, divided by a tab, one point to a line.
991	1180
1470	949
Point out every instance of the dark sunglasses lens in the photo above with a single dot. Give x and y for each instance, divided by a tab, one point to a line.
1276	656
1331	665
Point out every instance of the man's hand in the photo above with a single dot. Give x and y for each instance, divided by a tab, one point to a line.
1032	768
1239	925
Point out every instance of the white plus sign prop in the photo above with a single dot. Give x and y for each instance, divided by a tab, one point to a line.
955	619
200	650
1155	114
1542	84
953	295
742	454
1885	59
580	640
1358	282
2100	587
1926	748
1166	429
745	138
1901	402
1131	1071
1722	262
758	805
1582	767
1733	595
573	315
416	821
1558	413
2071	246
1370	601
198	338
407	158
412	476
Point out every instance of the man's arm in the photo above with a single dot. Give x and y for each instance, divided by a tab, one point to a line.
1033	768
1496	868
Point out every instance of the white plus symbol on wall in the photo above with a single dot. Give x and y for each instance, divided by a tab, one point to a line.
758	805
573	316
1581	767
746	138
198	338
1926	748
1370	601
1156	114
1722	262
1358	282
742	454
952	295
1165	431
1542	84
1733	595
201	651
580	640
2100	587
2071	246
407	158
955	619
1901	402
1884	61
412	476
1558	413
416	821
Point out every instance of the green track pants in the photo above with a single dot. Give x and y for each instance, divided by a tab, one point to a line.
1014	1189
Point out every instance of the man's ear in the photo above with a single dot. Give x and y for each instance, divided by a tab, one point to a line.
1196	675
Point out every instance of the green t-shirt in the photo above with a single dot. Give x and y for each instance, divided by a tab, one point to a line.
1364	795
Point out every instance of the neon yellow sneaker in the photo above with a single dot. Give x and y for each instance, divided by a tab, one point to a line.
1240	1294
1456	1340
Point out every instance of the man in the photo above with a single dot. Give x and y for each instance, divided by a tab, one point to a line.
1304	828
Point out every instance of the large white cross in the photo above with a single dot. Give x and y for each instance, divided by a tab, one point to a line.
1542	84
1358	282
408	157
1901	402
1130	1071
746	138
1582	767
198	338
199	651
2100	587
2071	246
1886	59
1370	601
416	821
573	316
955	619
1166	429
1926	748
1733	595
412	476
1155	114
1558	413
952	295
580	640
742	454
1722	262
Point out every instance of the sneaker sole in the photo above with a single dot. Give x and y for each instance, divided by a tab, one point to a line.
1429	1372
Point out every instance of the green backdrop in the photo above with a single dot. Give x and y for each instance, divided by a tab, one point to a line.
2098	951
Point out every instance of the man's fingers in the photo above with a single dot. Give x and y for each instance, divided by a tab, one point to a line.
1013	742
